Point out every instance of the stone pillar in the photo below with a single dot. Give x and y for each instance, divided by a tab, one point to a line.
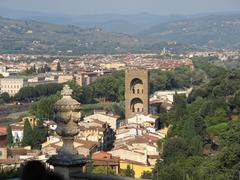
67	116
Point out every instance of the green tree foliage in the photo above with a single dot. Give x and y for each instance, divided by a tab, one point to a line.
43	69
147	175
175	148
39	135
59	67
29	71
196	145
168	80
179	103
117	108
216	130
106	170
82	94
211	71
207	113
9	136
111	88
6	98
27	134
89	165
129	172
225	164
188	129
43	109
29	93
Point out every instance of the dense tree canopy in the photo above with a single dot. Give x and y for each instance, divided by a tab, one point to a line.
43	109
31	93
5	97
109	87
206	122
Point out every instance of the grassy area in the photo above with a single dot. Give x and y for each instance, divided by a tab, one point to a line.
87	109
11	118
5	121
216	129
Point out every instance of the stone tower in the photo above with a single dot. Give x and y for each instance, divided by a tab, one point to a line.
136	92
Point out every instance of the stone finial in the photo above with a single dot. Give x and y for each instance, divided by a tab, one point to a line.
67	115
67	91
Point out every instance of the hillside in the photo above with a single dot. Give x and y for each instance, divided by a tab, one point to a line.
219	31
195	33
122	23
17	36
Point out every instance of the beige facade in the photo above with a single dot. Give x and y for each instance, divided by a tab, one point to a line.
65	78
113	121
12	85
3	152
136	92
117	66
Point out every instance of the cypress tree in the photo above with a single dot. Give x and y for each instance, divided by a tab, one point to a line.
9	136
188	129
129	172
27	134
39	135
197	145
89	166
59	67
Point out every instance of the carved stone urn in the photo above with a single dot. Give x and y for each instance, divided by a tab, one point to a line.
67	115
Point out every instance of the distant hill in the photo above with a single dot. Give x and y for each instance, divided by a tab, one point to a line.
194	33
122	23
33	37
18	36
215	31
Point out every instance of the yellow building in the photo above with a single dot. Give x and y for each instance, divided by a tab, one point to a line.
116	66
138	168
32	120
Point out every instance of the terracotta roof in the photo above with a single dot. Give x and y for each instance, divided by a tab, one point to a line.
8	161
153	156
146	139
101	155
18	151
3	131
99	122
107	162
17	126
88	144
133	162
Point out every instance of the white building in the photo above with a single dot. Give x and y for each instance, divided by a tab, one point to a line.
12	85
17	131
113	121
166	97
147	120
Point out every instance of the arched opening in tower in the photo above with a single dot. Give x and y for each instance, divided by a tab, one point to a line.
136	105
136	86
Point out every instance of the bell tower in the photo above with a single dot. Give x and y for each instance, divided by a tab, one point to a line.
136	92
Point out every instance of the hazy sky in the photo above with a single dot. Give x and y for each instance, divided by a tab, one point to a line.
162	7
